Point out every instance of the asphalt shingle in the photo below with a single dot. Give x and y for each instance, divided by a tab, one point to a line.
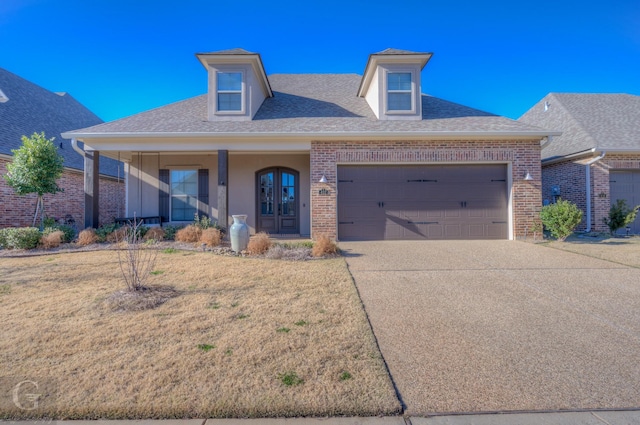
33	109
310	103
587	121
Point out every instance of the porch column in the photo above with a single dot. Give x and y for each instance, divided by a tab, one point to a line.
223	195
91	188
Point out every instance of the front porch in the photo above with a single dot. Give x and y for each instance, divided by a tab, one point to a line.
272	189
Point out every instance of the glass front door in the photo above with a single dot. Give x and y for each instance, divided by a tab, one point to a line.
278	190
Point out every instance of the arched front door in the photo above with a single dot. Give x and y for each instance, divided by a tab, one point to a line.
277	199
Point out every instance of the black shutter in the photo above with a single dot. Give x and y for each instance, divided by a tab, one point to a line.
163	200
203	192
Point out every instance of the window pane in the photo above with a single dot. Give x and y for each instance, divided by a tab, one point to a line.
230	81
399	101
229	101
184	194
399	81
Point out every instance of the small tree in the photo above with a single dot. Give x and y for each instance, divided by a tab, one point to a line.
136	260
561	218
35	168
620	215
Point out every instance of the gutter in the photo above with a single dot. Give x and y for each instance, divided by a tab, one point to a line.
74	145
382	135
588	187
547	142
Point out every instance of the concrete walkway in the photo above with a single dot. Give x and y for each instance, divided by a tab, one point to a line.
482	326
565	418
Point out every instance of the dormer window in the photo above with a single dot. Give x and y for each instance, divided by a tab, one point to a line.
399	92
229	90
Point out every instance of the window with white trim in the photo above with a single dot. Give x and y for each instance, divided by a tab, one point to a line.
399	91
229	88
184	194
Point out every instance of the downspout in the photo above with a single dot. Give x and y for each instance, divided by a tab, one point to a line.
546	142
74	145
588	187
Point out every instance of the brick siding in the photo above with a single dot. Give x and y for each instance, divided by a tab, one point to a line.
570	176
17	211
524	157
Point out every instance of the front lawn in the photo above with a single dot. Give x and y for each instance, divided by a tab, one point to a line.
623	250
244	337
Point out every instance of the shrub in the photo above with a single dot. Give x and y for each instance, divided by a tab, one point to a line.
105	230
49	222
68	232
51	239
118	235
212	237
22	237
3	238
87	237
561	218
155	233
324	246
190	234
259	244
620	215
170	231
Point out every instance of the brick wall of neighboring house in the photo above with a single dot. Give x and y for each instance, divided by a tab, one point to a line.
570	176
523	155
18	211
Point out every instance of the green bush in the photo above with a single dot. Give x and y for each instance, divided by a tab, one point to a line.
68	231
105	230
620	215
561	218
21	237
3	238
170	231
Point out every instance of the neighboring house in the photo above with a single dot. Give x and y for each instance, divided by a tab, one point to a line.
26	108
348	156
596	160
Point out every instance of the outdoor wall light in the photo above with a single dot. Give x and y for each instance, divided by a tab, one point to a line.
323	179
528	177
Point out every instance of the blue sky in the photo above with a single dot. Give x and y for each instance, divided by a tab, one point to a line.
120	57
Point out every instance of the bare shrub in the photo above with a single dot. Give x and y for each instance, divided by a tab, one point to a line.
259	244
87	237
118	235
52	240
189	234
324	246
136	259
211	236
154	233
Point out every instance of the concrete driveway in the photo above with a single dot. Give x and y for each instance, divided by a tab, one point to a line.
477	326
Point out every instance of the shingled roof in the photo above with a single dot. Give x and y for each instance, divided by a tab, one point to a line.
601	122
313	104
33	109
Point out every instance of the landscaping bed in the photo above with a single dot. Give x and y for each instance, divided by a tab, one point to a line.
235	337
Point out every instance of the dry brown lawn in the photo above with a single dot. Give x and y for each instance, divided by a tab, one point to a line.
619	250
219	349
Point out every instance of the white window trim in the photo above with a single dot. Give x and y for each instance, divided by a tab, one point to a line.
243	91
385	83
171	170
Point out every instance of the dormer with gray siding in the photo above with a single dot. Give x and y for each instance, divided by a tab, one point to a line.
238	84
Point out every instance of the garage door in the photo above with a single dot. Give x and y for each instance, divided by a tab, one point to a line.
626	185
422	202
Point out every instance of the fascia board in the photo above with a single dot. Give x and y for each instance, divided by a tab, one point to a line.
341	135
